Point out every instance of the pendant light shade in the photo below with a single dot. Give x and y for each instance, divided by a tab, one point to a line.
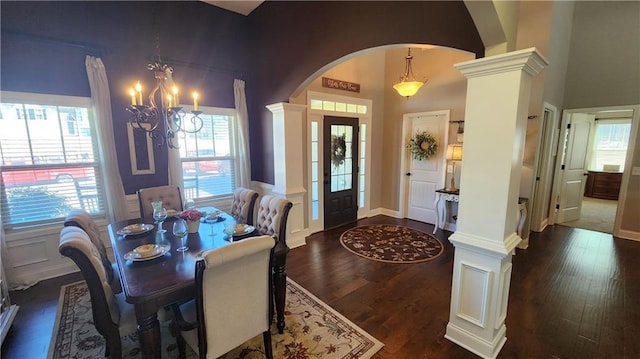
408	85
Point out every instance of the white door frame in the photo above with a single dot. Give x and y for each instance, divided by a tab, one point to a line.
635	122
317	115
404	182
544	166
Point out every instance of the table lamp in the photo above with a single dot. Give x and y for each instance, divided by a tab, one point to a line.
454	153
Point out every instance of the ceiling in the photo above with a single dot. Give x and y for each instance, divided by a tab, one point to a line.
244	7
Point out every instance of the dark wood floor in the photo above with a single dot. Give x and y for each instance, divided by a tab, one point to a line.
574	294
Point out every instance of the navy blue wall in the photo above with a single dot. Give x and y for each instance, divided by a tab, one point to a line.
190	32
277	47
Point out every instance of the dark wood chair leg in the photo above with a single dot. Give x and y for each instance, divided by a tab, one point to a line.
268	351
182	345
114	347
280	292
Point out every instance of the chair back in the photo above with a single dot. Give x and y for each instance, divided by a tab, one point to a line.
80	218
233	286
169	195
244	202
272	216
76	244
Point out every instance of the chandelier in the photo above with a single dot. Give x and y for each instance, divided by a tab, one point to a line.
162	117
408	85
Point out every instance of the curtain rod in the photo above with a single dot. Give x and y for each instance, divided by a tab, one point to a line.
92	49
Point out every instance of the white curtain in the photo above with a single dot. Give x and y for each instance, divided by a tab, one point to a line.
175	169
101	99
244	163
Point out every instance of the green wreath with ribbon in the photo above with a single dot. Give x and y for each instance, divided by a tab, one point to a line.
423	145
338	149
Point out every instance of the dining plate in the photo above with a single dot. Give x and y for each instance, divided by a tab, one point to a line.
159	251
242	229
136	228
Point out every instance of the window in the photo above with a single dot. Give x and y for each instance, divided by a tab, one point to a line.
208	156
47	166
610	145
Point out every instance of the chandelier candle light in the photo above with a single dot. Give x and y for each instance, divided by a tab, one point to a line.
163	108
408	85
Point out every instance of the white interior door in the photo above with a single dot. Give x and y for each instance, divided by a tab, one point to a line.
423	178
575	166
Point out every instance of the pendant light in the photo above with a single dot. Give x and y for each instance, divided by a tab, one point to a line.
408	85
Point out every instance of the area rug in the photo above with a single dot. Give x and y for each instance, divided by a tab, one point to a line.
313	330
391	243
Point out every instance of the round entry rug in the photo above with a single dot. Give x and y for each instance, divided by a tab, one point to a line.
391	243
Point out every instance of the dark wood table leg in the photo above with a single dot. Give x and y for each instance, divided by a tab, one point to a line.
149	335
280	288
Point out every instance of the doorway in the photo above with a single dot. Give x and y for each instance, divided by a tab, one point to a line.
340	136
604	154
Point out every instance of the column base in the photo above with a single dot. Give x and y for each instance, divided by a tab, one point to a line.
475	344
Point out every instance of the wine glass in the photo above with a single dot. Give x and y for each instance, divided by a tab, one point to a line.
211	218
159	215
229	230
180	230
189	203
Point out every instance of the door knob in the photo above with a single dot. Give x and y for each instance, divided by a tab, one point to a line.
408	174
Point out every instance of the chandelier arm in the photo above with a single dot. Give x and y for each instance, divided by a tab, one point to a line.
158	138
160	109
196	121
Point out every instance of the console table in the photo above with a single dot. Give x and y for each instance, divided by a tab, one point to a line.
442	212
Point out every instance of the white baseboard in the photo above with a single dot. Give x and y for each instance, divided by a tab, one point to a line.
386	212
634	236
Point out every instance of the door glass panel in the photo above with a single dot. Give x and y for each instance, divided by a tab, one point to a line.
341	157
315	165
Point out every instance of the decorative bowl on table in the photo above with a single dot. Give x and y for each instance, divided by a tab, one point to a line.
172	213
146	250
135	228
241	229
215	216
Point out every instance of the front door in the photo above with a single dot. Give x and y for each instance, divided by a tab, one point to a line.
340	136
574	167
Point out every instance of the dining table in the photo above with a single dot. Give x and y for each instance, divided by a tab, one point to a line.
151	283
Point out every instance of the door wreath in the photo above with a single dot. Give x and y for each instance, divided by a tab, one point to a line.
422	145
338	149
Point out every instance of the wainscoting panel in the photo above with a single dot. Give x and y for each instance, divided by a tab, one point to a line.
475	284
505	280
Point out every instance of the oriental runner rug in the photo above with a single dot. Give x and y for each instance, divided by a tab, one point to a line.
313	330
391	243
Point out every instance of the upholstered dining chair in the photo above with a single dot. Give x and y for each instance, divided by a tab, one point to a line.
112	315
244	203
80	218
169	195
272	220
233	297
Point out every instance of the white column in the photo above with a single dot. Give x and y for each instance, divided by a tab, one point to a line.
498	89
288	135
